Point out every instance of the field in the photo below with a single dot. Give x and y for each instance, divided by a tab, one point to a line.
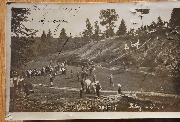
141	92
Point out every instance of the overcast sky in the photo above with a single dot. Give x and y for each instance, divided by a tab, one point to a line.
72	17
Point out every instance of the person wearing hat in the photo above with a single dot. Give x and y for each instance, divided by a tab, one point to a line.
98	88
119	89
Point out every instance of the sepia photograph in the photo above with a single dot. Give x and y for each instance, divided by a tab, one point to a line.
93	57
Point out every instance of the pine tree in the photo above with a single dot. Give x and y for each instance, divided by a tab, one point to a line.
131	31
108	17
63	35
122	28
153	25
145	28
88	31
49	35
62	40
21	45
43	36
160	23
96	31
175	18
20	15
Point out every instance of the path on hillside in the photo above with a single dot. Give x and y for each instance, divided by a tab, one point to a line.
111	91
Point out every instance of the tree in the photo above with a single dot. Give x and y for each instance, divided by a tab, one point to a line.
49	35
88	31
43	36
153	25
122	28
96	31
21	43
175	18
160	23
145	27
108	17
131	31
21	51
63	35
20	15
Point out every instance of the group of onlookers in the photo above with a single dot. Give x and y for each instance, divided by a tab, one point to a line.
87	86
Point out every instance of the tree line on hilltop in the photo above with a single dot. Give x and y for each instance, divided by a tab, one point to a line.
24	40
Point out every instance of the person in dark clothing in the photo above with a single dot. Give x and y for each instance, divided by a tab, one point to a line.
98	88
71	74
82	67
81	93
82	85
119	89
87	89
26	90
86	74
124	66
28	87
90	71
78	76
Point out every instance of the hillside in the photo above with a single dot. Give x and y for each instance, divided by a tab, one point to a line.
152	50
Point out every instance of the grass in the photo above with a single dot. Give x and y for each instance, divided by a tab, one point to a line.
50	100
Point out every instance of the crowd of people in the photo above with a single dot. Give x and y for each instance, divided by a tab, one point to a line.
51	71
59	68
17	83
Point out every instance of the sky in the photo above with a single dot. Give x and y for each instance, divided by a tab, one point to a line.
72	17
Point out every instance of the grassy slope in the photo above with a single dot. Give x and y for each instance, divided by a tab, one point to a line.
101	52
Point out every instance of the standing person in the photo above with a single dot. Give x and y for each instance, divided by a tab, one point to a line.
52	78
82	67
63	71
26	89
98	88
90	70
86	74
15	82
51	63
119	89
124	66
12	90
82	75
71	74
11	82
78	76
94	78
81	93
82	85
111	80
20	83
